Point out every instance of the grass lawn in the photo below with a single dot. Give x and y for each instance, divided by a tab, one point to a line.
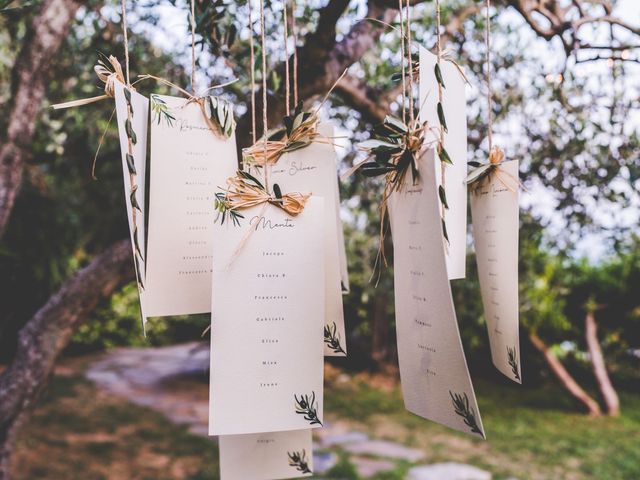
79	432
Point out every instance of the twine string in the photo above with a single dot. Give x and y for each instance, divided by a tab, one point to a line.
264	93
488	60
126	40
253	74
404	86
287	94
410	86
294	31
193	46
443	165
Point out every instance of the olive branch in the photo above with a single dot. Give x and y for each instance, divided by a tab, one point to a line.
512	358
161	110
465	410
299	461
332	338
306	405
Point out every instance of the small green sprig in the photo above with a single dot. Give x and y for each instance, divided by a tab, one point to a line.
221	206
306	405
299	461
512	358
332	338
463	408
220	112
161	111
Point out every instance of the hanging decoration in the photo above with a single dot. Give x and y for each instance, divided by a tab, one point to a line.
494	190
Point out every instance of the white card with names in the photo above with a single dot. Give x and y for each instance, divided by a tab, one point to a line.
433	369
267	321
495	212
313	170
266	456
189	164
454	104
134	107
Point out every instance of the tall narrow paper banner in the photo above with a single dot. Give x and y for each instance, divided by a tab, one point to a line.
433	369
314	169
266	456
267	321
454	105
495	211
189	164
132	112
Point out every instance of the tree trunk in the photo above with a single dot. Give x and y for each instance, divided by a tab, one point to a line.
609	394
43	338
565	377
30	71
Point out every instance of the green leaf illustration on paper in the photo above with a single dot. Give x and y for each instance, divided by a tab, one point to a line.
307	406
332	338
161	111
299	461
465	410
512	358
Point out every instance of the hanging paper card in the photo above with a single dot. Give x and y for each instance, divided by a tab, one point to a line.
494	210
454	109
132	111
267	321
189	164
266	456
313	169
433	370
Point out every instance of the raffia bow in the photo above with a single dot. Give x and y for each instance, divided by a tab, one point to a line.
483	174
109	71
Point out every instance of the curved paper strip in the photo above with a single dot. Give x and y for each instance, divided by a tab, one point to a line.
433	369
455	142
494	210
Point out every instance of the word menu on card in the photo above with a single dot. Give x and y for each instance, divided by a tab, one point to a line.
495	211
266	456
267	319
455	142
433	369
189	164
313	169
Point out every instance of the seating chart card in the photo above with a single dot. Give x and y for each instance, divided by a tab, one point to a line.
267	321
433	369
266	456
454	105
495	211
189	164
313	169
132	112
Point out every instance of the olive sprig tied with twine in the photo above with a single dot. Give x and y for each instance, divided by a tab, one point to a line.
483	173
299	131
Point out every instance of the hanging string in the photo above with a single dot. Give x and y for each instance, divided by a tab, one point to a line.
404	86
287	94
193	47
126	40
443	165
294	31
264	92
253	74
488	55
411	113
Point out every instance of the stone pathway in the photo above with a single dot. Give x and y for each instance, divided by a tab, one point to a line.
174	381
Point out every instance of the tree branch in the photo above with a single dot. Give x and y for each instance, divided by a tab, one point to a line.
30	71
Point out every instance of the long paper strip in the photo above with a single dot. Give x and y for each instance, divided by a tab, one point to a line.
455	142
313	169
267	322
266	456
433	370
189	164
494	209
133	122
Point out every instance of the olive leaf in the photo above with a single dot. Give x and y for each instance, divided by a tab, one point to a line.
462	408
444	155
438	73
299	461
332	338
129	130
443	196
307	406
134	200
512	358
131	164
443	122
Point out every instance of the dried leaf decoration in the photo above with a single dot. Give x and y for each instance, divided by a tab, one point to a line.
299	131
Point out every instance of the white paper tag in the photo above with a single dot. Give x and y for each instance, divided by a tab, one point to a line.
135	107
267	321
454	105
433	369
266	456
189	164
313	170
495	211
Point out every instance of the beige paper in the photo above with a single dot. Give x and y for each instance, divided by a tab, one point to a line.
454	104
267	322
266	456
313	169
433	369
494	210
139	125
189	164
